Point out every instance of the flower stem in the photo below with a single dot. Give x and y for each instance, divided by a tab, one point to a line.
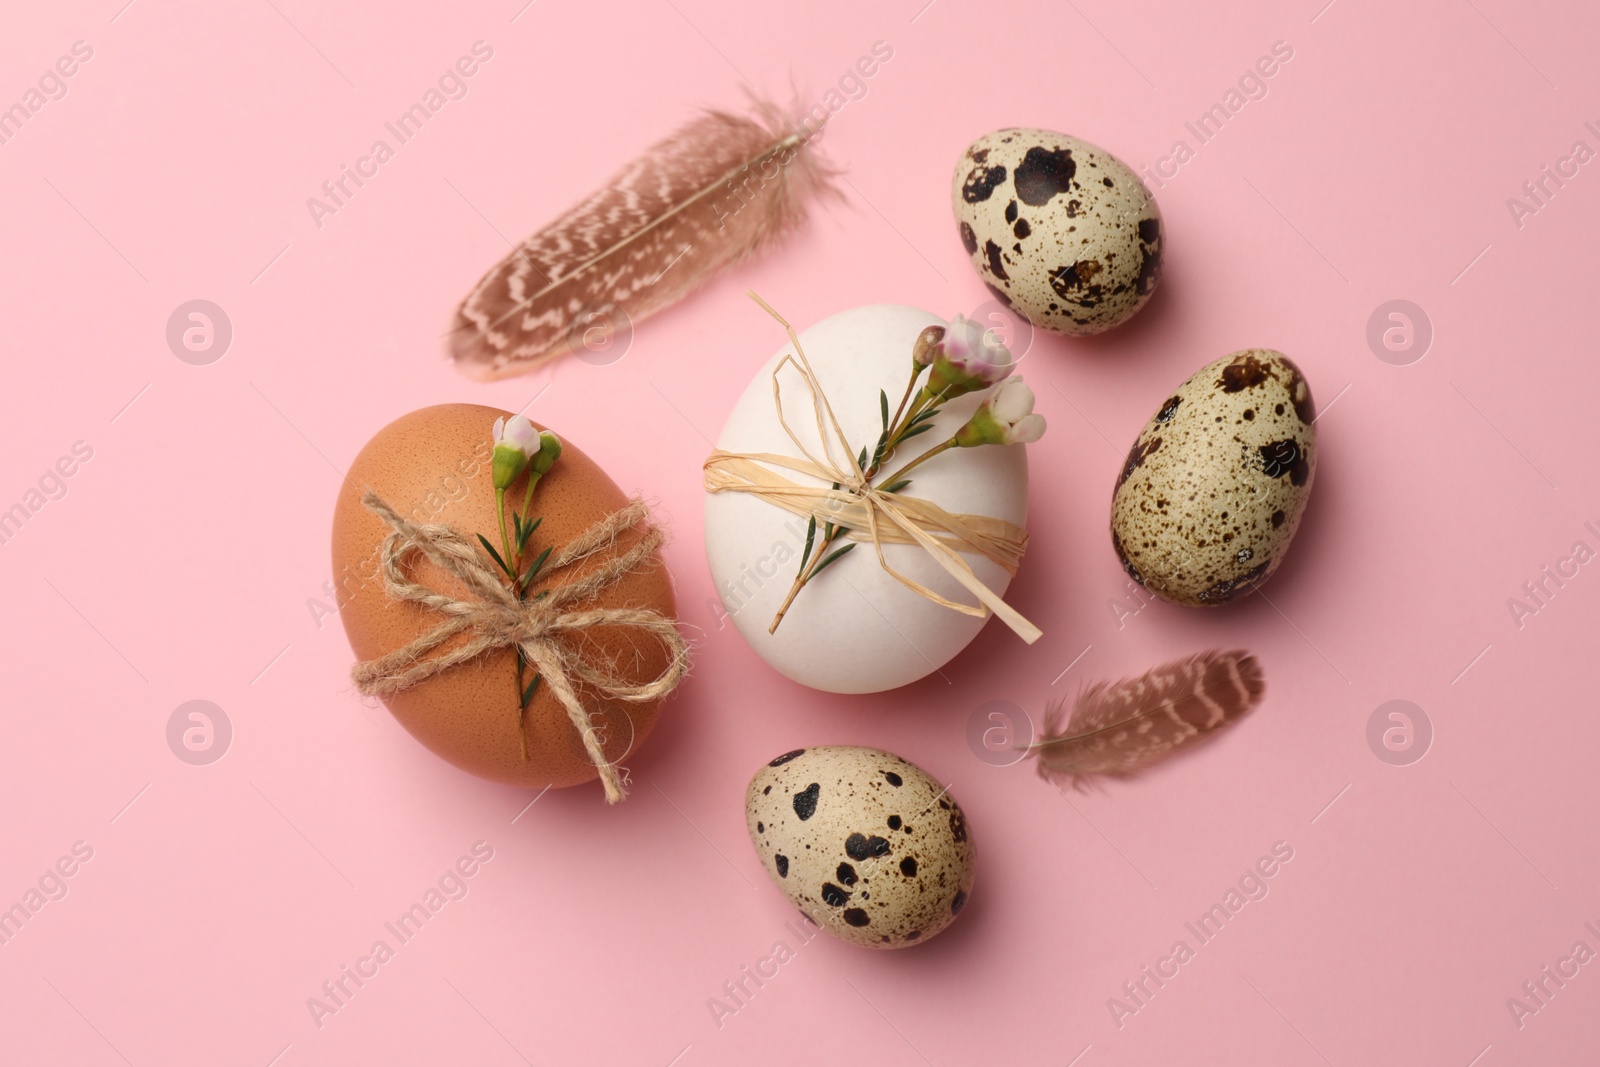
894	423
803	577
899	426
929	454
514	562
527	498
505	542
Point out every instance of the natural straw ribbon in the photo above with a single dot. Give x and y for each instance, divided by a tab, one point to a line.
859	506
498	620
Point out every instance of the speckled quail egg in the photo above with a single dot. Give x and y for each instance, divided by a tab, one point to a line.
1061	231
867	844
1213	489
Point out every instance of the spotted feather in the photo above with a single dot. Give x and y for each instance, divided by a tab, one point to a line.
1120	729
717	191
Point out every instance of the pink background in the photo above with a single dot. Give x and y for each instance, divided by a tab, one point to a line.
186	557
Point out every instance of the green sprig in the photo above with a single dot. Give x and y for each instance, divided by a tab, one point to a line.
836	554
494	555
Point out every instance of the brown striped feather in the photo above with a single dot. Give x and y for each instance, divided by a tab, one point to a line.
717	191
1120	729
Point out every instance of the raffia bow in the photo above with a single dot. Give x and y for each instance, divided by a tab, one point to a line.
495	619
869	513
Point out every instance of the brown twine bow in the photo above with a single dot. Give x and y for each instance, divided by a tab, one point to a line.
497	619
867	512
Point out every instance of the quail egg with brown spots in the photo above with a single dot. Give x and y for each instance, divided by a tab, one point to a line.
865	843
1213	490
1061	231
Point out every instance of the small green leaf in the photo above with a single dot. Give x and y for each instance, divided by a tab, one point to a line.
861	461
527	694
527	532
883	406
495	555
924	416
811	536
533	568
883	443
897	486
909	434
833	556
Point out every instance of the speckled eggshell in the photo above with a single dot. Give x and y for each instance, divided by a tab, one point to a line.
433	466
867	844
1213	490
1060	230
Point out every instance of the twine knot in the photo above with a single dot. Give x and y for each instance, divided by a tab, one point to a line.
497	618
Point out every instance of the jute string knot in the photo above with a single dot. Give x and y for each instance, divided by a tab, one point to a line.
548	634
866	512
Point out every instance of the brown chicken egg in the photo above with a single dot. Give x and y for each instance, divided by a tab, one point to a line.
433	466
